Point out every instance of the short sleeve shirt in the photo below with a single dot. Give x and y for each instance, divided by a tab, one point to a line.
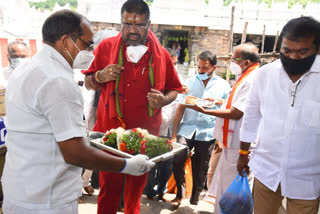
44	106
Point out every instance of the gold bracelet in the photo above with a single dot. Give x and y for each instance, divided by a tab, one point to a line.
97	78
243	152
94	81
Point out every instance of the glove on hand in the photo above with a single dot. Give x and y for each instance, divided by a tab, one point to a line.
137	165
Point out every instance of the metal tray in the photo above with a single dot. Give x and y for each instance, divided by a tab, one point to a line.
176	148
201	102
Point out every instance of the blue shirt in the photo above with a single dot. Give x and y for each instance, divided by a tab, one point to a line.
195	122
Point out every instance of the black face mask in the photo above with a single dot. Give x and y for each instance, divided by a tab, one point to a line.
297	66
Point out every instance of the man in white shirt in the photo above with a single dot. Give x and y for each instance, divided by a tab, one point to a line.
46	132
18	53
245	60
284	98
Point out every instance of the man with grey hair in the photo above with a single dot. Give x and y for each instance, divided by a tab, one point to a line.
18	53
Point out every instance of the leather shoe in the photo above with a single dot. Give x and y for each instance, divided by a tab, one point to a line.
193	202
175	203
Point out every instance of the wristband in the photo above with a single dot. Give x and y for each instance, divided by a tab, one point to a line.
124	166
243	152
94	81
96	76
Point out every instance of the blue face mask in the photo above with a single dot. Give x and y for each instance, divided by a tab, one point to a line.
203	76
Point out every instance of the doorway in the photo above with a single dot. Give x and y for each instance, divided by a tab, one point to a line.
177	40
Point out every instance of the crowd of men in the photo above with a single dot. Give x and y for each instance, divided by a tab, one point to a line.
267	126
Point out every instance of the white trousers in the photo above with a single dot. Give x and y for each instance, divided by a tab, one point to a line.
11	208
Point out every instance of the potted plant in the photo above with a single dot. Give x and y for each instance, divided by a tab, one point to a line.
186	57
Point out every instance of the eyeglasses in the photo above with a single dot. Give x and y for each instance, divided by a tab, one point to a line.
89	45
140	27
236	59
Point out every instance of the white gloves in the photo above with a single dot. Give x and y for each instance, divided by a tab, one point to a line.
137	165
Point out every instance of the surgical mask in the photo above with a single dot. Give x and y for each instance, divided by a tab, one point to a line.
235	69
297	66
15	62
83	59
135	53
203	76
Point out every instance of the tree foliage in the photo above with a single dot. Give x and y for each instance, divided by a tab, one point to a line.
149	2
269	2
49	4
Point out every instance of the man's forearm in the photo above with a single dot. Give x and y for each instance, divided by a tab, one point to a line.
244	145
232	113
88	82
76	152
177	119
170	96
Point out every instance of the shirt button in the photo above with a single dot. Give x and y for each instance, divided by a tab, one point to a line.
128	84
125	100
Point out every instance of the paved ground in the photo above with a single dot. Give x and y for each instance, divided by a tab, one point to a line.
89	206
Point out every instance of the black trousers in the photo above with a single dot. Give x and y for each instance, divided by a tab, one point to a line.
200	165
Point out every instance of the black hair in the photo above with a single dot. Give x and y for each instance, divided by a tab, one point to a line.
136	6
60	23
15	43
302	27
208	55
249	53
172	52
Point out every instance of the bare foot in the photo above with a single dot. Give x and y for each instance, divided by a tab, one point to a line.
80	200
89	190
162	198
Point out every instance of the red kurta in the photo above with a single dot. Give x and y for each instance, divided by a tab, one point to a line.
136	84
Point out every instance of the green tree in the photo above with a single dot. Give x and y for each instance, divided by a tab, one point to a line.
49	4
186	55
149	2
269	2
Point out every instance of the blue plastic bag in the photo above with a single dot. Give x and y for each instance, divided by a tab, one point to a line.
3	131
237	199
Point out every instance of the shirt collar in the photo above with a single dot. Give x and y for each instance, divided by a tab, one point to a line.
316	65
55	55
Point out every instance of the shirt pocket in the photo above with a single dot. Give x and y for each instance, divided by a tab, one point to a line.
311	115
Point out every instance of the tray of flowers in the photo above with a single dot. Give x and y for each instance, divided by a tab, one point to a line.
127	143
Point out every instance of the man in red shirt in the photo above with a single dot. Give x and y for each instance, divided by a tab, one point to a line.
136	78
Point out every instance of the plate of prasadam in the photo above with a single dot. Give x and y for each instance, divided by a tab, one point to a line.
191	101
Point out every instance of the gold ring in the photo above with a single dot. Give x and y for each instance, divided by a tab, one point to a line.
156	100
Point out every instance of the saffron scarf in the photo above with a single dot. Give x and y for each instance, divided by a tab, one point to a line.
226	129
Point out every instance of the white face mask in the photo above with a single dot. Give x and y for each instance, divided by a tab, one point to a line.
83	59
15	62
135	53
235	69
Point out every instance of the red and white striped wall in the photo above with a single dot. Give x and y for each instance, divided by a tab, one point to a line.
33	44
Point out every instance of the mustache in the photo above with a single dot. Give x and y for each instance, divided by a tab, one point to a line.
134	34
